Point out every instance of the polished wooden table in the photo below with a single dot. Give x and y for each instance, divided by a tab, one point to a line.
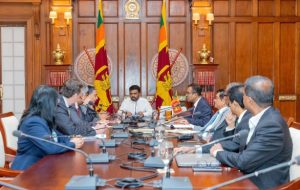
54	171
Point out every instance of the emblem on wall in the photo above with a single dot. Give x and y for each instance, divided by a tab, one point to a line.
179	70
132	9
84	66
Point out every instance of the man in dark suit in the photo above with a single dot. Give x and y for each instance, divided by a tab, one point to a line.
66	118
236	121
200	105
268	143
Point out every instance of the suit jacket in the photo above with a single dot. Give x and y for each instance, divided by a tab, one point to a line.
236	143
269	145
31	150
218	133
205	111
68	123
89	114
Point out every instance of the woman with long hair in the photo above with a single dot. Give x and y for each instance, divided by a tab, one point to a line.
38	120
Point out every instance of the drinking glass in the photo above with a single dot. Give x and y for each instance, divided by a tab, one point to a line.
166	152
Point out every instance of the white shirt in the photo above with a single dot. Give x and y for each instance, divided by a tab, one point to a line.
66	102
241	117
238	121
253	121
196	103
141	105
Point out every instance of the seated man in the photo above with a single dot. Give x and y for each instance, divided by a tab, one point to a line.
269	140
87	106
66	120
233	124
217	122
200	105
135	105
235	97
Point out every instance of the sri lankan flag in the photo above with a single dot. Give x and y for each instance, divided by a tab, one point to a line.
163	81
102	81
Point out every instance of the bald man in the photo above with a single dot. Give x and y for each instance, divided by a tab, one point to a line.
269	141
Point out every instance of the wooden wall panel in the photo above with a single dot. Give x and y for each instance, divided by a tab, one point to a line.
177	8
110	8
86	36
243	51
152	8
152	47
179	42
112	52
265	43
221	8
266	8
287	109
132	54
221	55
243	8
265	50
86	8
287	59
288	7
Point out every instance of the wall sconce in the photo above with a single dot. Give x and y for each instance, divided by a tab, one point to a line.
53	16
196	18
68	16
210	17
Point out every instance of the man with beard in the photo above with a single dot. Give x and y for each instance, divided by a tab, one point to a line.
135	105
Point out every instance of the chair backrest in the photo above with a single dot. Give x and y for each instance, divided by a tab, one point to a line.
290	121
9	123
2	152
295	125
295	134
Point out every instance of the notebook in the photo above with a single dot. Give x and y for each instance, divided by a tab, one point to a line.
189	160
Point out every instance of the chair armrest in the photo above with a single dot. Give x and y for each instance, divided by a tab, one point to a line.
9	157
9	173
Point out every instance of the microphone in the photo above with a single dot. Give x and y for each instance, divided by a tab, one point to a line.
172	182
296	160
242	133
4	184
103	157
76	181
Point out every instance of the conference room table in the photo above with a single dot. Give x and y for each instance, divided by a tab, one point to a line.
54	171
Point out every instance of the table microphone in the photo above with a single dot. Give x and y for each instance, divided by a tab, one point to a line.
102	157
296	160
4	184
76	182
174	182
